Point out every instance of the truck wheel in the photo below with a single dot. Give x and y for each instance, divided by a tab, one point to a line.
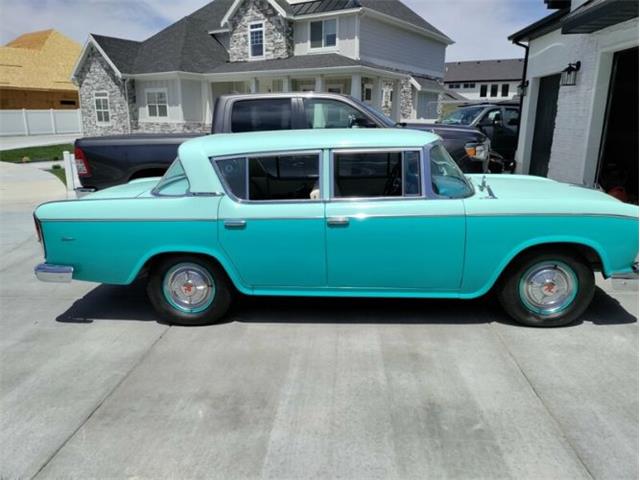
547	289
189	290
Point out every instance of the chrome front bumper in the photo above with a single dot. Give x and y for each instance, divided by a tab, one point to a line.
46	272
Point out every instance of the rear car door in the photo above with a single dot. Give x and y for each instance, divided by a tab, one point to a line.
271	222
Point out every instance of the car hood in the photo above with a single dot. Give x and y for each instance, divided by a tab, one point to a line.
135	188
530	194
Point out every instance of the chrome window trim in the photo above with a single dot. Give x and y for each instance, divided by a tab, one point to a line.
337	151
246	156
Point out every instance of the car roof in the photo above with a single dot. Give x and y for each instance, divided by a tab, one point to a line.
219	145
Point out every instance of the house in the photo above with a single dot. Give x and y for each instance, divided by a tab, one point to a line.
376	50
35	70
484	79
579	119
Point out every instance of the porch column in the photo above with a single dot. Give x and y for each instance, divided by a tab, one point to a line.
253	85
395	107
376	94
319	84
356	86
286	85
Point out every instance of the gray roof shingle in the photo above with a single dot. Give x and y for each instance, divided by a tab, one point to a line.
187	45
484	70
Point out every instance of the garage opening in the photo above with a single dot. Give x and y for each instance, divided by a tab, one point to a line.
618	163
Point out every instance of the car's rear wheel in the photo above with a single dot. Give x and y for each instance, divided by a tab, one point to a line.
545	289
189	290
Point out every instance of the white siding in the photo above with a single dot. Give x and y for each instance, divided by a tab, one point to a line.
347	37
581	108
173	99
192	101
395	47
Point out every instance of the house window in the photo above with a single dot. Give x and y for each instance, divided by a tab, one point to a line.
483	90
494	90
103	115
323	33
367	94
505	89
469	85
256	40
454	86
157	103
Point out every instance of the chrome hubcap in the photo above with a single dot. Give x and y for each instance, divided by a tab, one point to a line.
189	287
548	288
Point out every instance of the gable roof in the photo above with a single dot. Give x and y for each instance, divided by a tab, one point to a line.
484	70
38	60
188	45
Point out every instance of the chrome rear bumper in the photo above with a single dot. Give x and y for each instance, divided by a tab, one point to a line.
46	272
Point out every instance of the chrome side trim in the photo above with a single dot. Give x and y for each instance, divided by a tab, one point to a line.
46	272
515	214
130	220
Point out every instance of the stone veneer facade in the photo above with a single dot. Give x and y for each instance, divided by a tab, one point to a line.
278	32
96	75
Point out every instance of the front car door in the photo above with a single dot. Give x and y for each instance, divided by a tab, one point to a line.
386	228
271	222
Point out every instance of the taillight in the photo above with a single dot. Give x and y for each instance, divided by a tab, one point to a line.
81	163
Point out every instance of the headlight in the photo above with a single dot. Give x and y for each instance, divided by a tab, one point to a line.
478	151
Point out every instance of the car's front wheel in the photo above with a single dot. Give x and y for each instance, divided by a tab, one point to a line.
189	290
547	289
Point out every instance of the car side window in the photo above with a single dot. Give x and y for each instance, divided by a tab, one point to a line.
323	113
376	174
511	116
263	114
493	115
272	178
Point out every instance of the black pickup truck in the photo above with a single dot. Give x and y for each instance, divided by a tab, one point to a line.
106	161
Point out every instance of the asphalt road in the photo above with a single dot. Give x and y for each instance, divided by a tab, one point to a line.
92	386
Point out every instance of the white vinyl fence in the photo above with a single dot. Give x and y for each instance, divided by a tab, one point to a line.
39	122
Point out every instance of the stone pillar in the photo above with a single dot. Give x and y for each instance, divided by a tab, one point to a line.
356	86
395	107
319	84
406	100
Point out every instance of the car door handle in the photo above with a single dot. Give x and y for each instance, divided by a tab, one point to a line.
235	223
338	221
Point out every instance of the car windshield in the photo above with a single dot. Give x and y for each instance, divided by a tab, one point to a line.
174	181
378	114
447	179
462	116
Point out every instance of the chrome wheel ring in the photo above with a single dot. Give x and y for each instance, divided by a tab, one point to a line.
189	287
548	288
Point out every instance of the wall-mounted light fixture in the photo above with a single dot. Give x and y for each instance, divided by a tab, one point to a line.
522	88
569	74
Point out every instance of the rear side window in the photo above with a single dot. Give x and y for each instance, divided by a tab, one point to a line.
376	174
258	115
174	182
272	178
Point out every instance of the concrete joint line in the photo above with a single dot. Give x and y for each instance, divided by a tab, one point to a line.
542	402
100	403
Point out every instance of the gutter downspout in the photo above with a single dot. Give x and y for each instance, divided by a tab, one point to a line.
522	83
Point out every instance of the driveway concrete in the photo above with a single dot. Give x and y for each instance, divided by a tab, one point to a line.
10	143
92	386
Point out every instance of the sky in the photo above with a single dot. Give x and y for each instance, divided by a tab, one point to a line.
479	27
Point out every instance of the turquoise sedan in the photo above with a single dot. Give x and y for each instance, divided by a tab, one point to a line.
349	213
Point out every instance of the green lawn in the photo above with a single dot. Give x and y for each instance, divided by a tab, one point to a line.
59	172
36	154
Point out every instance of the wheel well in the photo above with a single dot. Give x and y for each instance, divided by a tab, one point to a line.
148	172
148	265
590	255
